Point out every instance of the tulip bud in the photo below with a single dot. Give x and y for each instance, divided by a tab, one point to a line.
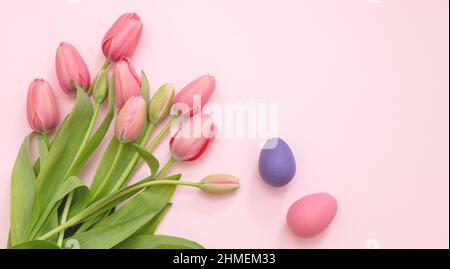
161	102
219	183
193	138
101	86
123	36
201	88
127	83
71	69
131	119
42	110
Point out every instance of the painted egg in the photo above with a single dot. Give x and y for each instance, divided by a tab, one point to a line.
276	163
312	214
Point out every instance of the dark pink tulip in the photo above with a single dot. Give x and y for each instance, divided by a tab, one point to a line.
42	110
131	119
201	88
123	36
71	68
127	83
193	138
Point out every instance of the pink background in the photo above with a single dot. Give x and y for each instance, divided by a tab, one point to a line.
363	89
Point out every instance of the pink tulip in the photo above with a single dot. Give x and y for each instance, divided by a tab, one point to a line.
127	83
71	68
201	88
219	183
130	120
193	138
123	36
42	110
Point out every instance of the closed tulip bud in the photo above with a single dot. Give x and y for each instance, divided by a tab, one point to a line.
161	102
123	36
127	83
71	69
42	110
193	138
201	88
131	119
101	86
219	183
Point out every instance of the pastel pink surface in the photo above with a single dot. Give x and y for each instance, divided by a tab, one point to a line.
363	93
311	214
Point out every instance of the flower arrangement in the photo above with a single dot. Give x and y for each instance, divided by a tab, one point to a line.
52	208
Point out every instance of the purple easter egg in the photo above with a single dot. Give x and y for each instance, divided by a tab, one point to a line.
276	163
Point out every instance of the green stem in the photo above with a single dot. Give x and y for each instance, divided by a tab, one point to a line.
165	168
110	171
80	216
106	64
161	134
80	150
132	164
64	217
43	148
86	138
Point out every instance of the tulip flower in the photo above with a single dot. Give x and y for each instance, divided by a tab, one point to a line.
193	138
161	102
131	119
71	68
219	183
123	36
42	110
201	88
127	83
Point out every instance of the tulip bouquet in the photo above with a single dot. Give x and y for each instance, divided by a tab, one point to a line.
51	207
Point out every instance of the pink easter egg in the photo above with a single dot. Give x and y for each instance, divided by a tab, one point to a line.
312	214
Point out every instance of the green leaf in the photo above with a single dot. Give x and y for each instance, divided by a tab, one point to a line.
110	235
98	136
151	161
153	224
37	164
153	198
158	242
60	158
22	195
8	244
92	145
81	195
50	223
67	187
144	91
37	244
106	203
80	200
101	189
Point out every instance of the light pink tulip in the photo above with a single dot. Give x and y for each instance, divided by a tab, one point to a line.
131	118
71	68
219	183
193	138
42	110
123	36
127	83
201	88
